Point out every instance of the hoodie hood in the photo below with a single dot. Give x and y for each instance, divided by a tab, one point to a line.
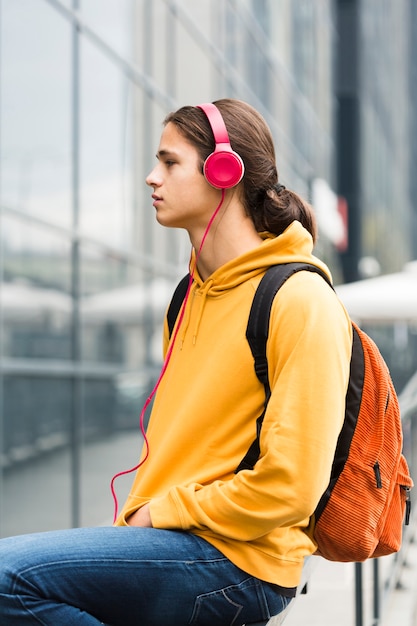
294	244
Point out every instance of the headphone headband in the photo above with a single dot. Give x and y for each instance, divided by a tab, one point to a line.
223	168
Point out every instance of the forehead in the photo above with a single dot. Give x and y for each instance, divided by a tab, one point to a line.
172	141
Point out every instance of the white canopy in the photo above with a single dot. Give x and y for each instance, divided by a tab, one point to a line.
389	298
128	304
21	300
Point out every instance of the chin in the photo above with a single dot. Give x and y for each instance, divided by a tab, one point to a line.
163	221
167	221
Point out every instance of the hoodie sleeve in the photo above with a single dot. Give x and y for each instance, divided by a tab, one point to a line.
308	351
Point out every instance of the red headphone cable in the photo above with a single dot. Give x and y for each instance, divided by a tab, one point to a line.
165	364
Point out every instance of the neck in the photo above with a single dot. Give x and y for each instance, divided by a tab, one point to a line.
231	234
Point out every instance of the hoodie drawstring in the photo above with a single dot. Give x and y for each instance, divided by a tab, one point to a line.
204	291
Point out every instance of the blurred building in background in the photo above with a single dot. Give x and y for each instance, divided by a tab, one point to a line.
376	135
85	271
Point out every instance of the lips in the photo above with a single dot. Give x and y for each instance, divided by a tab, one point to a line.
156	199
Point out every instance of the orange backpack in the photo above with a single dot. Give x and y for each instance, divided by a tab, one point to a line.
361	513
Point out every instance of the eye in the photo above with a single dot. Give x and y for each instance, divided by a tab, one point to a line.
169	163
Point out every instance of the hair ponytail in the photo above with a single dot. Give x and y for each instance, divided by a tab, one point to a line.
276	208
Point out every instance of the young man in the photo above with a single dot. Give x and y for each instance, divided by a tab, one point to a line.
197	543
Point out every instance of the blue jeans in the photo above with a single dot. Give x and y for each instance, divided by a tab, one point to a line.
126	576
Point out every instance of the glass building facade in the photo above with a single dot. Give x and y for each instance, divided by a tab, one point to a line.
85	271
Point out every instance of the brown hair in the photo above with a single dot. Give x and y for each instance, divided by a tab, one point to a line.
271	207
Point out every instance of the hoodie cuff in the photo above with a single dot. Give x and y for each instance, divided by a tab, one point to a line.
165	514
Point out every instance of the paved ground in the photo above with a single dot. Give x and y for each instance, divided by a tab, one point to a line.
330	600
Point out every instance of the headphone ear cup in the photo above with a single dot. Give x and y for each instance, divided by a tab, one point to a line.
223	169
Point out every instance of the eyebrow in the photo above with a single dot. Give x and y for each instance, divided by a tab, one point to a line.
166	153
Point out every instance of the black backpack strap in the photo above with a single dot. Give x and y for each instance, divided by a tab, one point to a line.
257	335
176	302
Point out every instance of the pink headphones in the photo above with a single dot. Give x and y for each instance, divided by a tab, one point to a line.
223	168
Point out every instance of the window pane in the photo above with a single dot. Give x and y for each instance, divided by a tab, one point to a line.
35	292
113	21
105	195
35	147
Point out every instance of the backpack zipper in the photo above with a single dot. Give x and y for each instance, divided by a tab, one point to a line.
407	504
378	478
405	488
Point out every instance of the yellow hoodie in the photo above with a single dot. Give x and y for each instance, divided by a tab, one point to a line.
204	414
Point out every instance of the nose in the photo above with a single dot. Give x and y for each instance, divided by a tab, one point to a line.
153	179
